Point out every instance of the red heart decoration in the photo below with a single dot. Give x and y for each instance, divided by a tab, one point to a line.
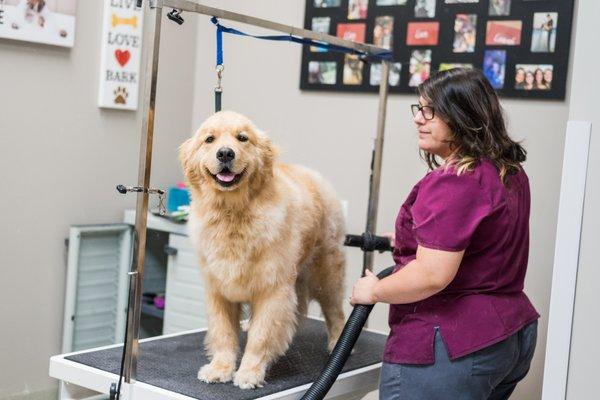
122	56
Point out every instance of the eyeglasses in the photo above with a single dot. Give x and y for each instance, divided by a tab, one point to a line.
427	111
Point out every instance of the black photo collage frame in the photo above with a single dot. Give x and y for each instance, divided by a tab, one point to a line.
318	74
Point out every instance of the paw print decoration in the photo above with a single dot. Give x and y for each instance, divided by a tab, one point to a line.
121	95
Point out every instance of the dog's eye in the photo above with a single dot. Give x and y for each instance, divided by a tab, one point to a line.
242	138
209	139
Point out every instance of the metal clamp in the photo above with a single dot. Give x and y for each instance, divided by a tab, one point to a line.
175	16
162	210
220	68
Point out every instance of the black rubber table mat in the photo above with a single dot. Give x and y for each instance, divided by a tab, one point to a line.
173	363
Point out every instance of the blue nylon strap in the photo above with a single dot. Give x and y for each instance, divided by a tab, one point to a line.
219	46
385	55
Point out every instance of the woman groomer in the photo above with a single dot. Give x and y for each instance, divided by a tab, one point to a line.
461	326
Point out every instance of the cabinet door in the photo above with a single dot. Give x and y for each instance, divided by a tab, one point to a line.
184	296
96	286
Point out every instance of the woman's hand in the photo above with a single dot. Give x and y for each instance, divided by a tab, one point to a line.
363	291
392	237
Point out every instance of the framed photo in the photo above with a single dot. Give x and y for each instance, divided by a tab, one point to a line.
543	37
425	8
394	77
422	33
447	66
327	3
427	36
499	7
357	9
533	77
40	21
465	33
355	32
420	67
503	33
383	31
322	72
321	25
353	70
391	2
494	67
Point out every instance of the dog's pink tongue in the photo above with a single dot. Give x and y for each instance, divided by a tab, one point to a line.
226	176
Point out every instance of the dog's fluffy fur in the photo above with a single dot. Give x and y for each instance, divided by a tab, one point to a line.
270	236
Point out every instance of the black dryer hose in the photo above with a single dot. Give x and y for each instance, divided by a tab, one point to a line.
342	349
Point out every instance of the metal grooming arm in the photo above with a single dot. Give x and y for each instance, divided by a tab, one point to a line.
145	160
186	5
376	162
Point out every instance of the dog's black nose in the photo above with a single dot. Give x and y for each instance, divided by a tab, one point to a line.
225	154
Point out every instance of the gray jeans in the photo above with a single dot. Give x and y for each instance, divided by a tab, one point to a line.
491	373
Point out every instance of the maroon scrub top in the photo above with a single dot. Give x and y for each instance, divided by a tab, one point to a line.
484	303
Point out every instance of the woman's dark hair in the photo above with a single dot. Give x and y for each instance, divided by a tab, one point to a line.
467	103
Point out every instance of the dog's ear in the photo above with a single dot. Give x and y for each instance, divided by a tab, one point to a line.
187	151
269	151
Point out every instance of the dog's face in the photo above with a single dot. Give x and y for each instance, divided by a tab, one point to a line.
36	5
227	152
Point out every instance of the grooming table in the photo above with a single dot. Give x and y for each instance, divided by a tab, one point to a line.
168	367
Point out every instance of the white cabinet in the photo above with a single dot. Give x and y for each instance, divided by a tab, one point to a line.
97	283
184	289
184	294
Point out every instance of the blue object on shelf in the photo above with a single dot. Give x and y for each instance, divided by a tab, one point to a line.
177	196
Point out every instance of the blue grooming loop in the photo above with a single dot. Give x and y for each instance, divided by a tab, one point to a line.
383	55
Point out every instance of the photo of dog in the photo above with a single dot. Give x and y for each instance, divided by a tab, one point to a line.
266	233
33	11
40	21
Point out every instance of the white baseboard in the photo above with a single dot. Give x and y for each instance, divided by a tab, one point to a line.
48	394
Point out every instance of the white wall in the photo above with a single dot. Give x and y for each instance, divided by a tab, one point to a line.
333	133
585	351
60	159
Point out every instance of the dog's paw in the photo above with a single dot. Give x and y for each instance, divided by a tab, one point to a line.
332	344
216	372
249	379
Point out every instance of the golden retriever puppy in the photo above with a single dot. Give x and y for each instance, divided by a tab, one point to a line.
266	233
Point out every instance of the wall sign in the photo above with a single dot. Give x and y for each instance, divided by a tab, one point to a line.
40	21
522	46
121	55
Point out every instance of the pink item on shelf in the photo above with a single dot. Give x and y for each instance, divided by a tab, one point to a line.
159	302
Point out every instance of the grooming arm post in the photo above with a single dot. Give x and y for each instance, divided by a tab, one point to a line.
141	209
376	163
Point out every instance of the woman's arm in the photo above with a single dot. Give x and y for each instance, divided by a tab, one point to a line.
423	277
